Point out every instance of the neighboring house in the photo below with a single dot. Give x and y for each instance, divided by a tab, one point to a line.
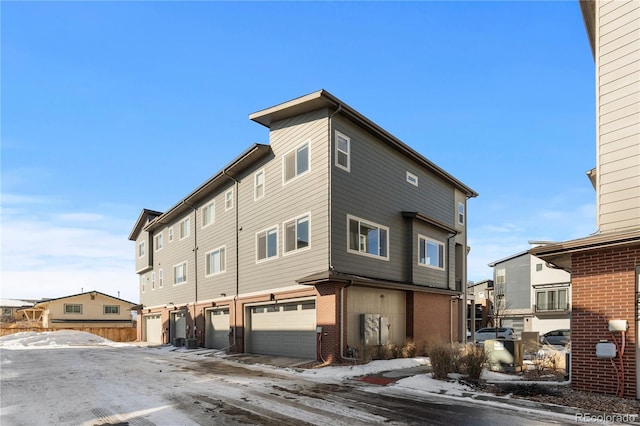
529	295
295	247
480	296
90	309
10	310
605	267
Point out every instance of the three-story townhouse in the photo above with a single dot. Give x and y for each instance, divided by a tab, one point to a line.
334	236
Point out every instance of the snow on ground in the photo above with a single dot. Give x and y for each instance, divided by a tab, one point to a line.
54	339
340	373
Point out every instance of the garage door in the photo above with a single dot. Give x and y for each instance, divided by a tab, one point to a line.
153	328
287	329
217	329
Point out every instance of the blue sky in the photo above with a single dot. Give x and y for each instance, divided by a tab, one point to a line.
111	107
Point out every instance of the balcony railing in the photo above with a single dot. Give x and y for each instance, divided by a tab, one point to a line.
553	307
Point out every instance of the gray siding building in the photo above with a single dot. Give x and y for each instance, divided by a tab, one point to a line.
288	248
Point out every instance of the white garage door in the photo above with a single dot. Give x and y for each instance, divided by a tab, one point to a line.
179	325
287	329
218	328
153	328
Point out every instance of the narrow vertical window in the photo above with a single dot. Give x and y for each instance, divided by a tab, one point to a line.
171	234
160	278
228	200
267	244
159	241
153	281
461	213
185	227
141	249
258	185
180	273
296	162
209	213
343	151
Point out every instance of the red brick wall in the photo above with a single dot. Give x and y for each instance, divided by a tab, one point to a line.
603	288
432	315
327	317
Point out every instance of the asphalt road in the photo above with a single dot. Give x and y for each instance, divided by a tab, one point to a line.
140	386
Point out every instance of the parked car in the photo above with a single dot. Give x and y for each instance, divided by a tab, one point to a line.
506	333
556	337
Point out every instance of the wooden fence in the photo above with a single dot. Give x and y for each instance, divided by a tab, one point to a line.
115	334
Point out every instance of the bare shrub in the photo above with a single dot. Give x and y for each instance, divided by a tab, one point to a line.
442	360
472	361
409	350
388	351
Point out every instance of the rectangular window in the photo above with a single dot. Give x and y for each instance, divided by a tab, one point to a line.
153	281
111	310
461	213
142	286
160	278
185	227
431	253
267	244
159	241
228	200
215	261
552	300
296	234
538	267
180	273
171	234
258	185
296	162
412	179
72	308
343	151
368	238
140	249
209	214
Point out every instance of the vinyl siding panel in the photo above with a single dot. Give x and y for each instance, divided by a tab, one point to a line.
618	64
143	262
517	287
307	193
376	190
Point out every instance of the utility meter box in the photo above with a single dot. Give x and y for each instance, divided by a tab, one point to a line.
606	350
617	325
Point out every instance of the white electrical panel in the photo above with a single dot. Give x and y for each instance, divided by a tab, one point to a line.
617	325
606	350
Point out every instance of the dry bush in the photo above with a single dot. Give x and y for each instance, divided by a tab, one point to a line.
409	350
442	360
472	361
388	351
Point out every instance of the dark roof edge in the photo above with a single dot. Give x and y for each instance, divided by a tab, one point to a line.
592	242
82	294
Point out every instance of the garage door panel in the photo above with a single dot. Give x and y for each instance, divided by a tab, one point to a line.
285	330
153	328
218	329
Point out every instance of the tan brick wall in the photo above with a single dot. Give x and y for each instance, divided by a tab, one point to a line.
604	285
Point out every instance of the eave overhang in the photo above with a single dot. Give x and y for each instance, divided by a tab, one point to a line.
351	279
143	219
433	222
588	9
559	254
228	174
323	99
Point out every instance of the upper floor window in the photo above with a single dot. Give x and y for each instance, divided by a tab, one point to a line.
368	238
171	234
296	162
228	200
258	185
209	213
180	273
501	275
111	310
412	179
72	308
215	261
159	241
461	213
431	253
343	151
160	278
142	284
185	227
552	300
267	243
140	249
296	234
538	267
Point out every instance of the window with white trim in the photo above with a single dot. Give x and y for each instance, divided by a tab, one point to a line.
185	227
159	241
142	285
461	213
171	234
111	310
258	185
180	273
296	162
140	249
296	234
412	179
72	308
209	213
215	261
368	238
343	151
153	280
267	244
431	253
228	200
160	278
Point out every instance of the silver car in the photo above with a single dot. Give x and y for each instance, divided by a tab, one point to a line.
505	333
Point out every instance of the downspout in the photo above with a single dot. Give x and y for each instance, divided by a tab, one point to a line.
195	259
235	297
342	321
448	273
